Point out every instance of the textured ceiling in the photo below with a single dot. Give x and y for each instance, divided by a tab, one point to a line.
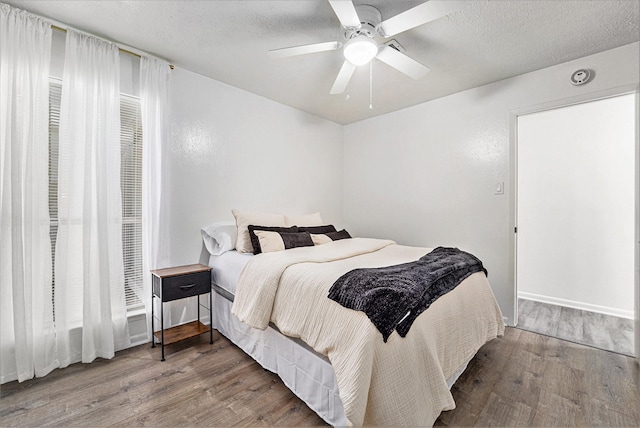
487	41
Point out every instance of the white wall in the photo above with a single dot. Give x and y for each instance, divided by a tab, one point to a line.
229	149
233	149
576	205
426	175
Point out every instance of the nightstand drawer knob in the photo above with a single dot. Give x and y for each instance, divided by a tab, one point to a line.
186	287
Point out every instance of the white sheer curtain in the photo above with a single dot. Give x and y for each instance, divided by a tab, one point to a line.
90	307
27	337
154	87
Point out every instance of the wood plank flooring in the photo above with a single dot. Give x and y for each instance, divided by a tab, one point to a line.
198	385
522	379
575	325
527	379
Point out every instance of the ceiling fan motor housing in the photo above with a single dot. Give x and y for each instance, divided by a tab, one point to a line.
370	18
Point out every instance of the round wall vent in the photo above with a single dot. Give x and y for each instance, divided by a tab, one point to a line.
580	77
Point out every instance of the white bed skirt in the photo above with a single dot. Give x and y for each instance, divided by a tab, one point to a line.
306	373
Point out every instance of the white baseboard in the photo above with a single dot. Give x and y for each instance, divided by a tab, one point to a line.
616	312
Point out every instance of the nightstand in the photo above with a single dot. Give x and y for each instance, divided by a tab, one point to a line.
179	283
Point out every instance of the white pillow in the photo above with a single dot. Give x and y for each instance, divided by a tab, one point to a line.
319	239
270	241
219	237
304	220
244	219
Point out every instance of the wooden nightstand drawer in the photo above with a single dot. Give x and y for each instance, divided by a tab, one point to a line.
179	287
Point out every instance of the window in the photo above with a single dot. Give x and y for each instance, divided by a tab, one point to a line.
131	187
130	183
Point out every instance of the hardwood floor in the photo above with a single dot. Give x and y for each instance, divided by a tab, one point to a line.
522	379
575	325
198	385
527	379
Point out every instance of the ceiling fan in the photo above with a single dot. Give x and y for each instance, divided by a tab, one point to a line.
362	24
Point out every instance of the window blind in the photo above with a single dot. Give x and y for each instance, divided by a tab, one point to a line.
55	93
130	184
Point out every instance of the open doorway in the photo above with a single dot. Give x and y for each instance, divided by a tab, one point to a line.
576	221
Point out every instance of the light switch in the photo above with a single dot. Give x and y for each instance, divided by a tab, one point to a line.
499	189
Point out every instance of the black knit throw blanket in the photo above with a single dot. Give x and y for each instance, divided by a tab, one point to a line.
394	296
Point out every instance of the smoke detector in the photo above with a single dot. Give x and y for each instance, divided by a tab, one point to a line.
580	77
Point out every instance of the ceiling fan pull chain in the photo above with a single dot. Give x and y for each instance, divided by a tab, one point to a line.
371	85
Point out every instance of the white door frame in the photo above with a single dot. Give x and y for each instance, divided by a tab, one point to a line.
513	188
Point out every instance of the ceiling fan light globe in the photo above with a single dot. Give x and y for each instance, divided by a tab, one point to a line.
360	50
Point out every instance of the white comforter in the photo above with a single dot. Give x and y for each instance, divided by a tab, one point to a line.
401	382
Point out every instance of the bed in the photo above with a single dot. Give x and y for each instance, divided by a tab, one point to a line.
274	306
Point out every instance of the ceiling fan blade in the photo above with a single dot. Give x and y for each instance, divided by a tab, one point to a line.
305	49
402	63
343	78
346	13
421	14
